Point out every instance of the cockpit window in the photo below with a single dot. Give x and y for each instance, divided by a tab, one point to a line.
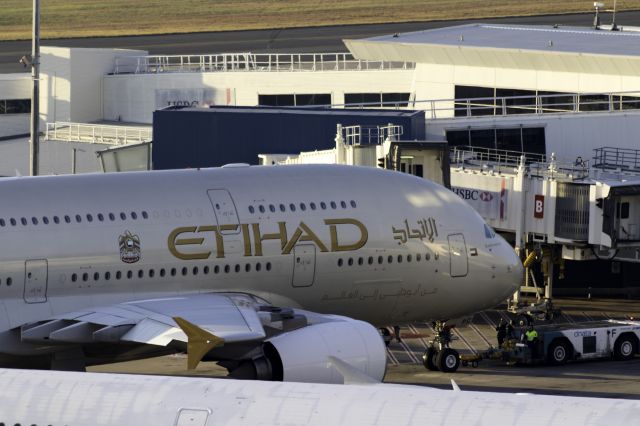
488	232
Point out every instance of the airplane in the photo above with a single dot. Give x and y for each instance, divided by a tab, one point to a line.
271	269
30	397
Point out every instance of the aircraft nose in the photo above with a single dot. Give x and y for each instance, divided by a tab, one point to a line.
509	267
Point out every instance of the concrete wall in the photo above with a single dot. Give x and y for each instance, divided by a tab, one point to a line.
132	97
71	82
15	86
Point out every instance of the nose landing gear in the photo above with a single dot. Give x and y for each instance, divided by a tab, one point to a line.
439	356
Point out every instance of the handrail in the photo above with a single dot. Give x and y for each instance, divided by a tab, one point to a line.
97	133
246	61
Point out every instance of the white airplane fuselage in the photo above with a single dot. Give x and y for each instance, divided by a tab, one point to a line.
379	246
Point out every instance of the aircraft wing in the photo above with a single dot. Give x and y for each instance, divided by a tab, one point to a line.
245	334
231	317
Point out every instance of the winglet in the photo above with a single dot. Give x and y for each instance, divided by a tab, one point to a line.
199	342
350	374
455	386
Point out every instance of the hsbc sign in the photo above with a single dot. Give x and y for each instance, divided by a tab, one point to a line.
490	204
473	194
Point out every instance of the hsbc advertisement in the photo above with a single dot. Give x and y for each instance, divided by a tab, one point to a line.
490	202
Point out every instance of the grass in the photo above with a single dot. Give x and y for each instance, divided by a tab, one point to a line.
88	18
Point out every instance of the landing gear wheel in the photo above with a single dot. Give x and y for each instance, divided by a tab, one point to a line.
625	347
429	359
558	352
448	360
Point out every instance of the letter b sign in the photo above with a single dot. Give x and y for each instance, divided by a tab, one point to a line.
538	207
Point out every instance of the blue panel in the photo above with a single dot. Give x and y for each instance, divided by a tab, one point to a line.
198	137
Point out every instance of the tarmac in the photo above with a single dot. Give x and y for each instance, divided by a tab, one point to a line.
603	378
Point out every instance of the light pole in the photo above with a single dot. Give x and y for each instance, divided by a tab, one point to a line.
34	143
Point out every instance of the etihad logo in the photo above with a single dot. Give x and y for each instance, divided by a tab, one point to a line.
129	247
213	236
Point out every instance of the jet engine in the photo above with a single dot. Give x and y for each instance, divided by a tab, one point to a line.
302	355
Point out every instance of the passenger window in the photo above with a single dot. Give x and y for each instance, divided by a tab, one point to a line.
350	261
272	208
112	217
258	266
216	269
123	216
85	276
134	215
23	221
427	256
323	206
184	271
343	204
152	272
303	207
334	205
282	207
12	221
360	261
390	259
408	258
89	218
96	276
205	270
399	258
268	266
118	275
129	274
227	268
162	272
107	276
261	208
340	262
247	267
140	273
252	210
380	260
237	268
418	257
100	217
2	222
312	206
353	204
56	219
78	218
74	278
45	220
370	260
292	207
9	281
34	220
195	270
145	215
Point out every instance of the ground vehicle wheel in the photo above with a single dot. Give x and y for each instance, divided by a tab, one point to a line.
558	352
625	347
429	359
448	360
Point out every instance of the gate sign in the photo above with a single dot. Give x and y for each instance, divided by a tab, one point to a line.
538	207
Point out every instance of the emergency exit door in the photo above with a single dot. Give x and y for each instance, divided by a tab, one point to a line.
224	209
35	281
304	265
458	255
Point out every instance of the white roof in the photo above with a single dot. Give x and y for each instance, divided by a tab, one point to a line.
571	49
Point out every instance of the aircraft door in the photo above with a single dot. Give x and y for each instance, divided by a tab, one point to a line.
192	417
35	281
458	255
224	209
304	265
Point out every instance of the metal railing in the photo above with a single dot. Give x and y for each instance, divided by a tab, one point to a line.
501	161
370	135
246	61
623	159
531	104
97	133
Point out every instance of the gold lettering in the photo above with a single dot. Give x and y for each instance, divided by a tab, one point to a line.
333	229
258	238
246	239
299	236
173	241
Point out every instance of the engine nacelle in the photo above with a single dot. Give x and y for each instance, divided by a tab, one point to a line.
302	355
